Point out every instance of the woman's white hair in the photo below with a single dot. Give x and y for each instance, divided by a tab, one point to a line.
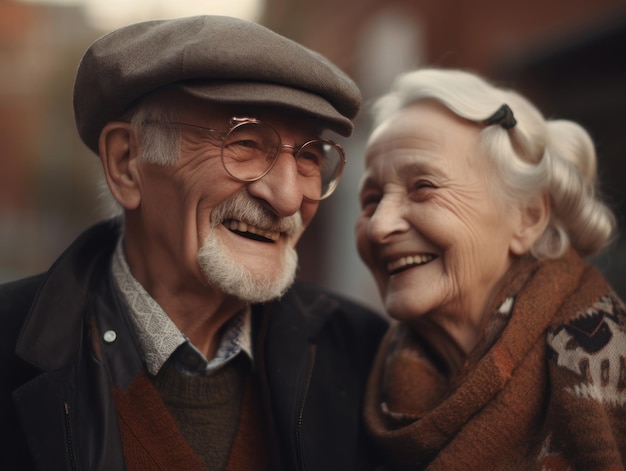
533	158
160	141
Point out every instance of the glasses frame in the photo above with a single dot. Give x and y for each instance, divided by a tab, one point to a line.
237	122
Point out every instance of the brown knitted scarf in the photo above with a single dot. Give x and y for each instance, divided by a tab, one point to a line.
545	389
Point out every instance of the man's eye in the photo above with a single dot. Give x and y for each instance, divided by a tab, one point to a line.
247	143
312	158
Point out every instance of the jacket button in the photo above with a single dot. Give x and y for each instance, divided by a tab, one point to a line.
109	336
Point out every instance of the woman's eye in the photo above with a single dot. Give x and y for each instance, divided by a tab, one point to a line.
422	184
369	203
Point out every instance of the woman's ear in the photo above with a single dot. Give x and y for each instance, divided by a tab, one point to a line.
119	153
534	218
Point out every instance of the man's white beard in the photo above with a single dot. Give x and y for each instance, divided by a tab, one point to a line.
221	270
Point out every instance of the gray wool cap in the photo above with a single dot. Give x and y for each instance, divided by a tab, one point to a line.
214	58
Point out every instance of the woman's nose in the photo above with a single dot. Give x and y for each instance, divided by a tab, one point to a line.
387	220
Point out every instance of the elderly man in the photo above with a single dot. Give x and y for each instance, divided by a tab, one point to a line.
171	337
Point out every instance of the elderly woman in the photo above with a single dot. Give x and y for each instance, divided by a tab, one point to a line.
509	352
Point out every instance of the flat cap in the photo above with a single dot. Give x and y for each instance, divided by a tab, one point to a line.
214	58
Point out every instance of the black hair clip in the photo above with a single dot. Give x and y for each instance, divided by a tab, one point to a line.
504	117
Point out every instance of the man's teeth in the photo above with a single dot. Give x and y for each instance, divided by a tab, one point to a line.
240	226
409	260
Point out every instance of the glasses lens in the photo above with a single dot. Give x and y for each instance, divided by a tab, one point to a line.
249	149
320	164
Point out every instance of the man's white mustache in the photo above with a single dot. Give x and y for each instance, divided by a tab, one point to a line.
241	207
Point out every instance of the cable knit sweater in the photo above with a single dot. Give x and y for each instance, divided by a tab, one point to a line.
545	389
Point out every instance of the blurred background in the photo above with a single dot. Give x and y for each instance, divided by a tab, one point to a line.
568	56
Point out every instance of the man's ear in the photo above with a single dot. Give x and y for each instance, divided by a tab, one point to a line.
119	151
534	218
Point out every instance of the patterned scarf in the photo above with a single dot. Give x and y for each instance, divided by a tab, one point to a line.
545	388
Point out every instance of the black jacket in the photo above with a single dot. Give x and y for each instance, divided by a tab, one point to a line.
56	407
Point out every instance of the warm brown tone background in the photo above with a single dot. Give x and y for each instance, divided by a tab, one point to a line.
569	56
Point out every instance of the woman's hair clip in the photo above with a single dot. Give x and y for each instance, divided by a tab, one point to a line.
504	117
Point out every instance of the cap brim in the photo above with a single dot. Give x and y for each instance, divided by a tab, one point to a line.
269	94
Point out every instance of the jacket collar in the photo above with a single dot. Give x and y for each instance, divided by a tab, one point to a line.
51	335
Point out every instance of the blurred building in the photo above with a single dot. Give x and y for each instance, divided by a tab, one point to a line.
47	192
566	55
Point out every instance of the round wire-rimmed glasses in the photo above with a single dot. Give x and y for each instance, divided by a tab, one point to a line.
250	148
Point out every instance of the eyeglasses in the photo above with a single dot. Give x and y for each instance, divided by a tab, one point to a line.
250	148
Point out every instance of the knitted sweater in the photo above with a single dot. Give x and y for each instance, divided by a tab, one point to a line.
206	408
545	389
152	438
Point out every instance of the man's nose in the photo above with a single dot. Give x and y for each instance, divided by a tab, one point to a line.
387	220
280	188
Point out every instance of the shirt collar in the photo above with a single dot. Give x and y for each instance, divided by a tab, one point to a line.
160	338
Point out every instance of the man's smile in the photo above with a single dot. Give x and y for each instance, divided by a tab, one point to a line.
250	231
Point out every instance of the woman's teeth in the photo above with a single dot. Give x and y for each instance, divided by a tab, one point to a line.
409	260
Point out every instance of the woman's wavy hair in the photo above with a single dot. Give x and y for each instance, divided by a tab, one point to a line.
533	158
